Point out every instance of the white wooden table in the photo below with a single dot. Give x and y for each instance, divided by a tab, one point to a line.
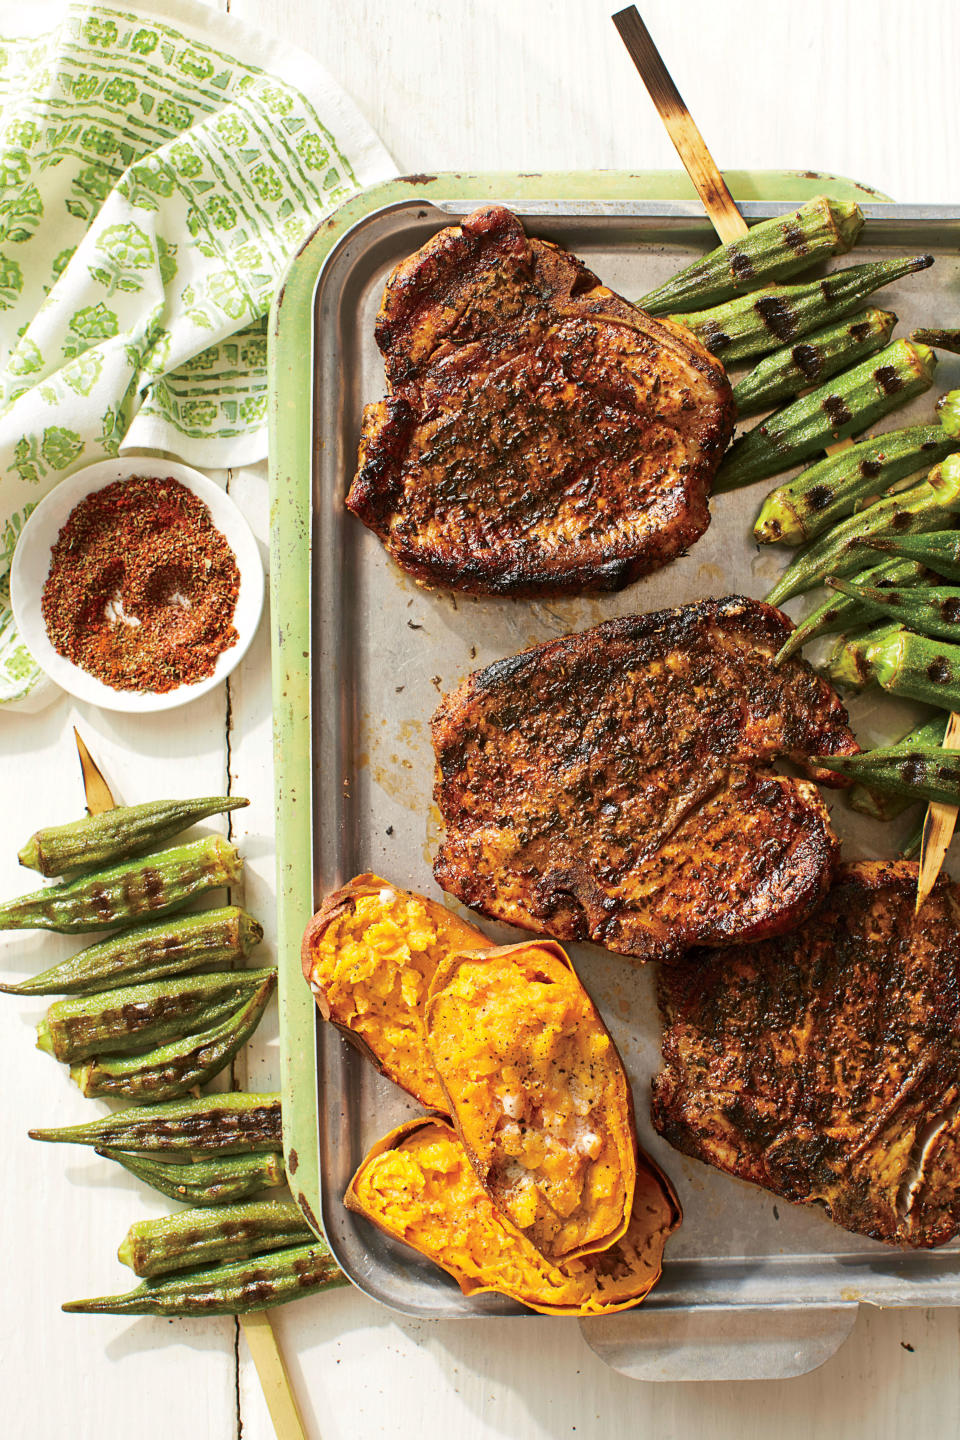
855	87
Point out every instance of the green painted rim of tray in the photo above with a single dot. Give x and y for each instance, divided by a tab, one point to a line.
291	450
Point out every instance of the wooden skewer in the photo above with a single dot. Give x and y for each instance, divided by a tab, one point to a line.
259	1333
937	827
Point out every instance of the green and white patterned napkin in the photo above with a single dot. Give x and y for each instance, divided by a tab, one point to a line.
156	175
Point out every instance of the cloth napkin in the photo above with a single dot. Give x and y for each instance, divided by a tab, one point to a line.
156	175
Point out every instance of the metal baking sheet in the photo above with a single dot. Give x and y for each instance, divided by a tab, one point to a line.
362	657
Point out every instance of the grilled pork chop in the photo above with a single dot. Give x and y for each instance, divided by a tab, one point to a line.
541	434
617	785
825	1065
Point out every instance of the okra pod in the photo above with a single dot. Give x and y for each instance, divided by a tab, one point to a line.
230	1232
851	662
785	372
205	1182
844	406
207	940
882	805
920	668
934	611
938	550
830	489
784	314
931	775
175	1068
232	1123
839	612
141	1017
136	890
234	1289
126	830
769	251
914	841
930	505
942	339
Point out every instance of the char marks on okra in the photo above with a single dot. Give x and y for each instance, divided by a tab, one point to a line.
783	314
839	612
850	664
784	373
233	1123
932	774
217	1181
919	668
881	805
771	250
229	1232
844	406
931	610
938	550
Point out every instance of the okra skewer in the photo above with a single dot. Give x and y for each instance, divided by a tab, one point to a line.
235	1289
141	1017
784	373
126	830
783	314
236	1122
920	668
842	407
839	612
851	662
771	250
218	1181
207	940
932	774
135	890
229	1232
175	1068
934	611
931	505
938	550
830	489
881	805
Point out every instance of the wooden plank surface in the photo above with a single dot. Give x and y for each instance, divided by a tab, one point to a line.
848	86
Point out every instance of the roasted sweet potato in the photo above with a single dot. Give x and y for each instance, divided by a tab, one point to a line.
369	955
537	1093
418	1185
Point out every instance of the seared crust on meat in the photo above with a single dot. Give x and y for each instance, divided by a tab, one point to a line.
541	434
825	1065
616	785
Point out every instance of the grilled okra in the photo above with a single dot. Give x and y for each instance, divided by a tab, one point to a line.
769	251
932	774
929	611
839	612
208	940
785	372
938	550
784	314
217	1181
844	406
850	663
141	1017
233	1123
930	505
138	889
830	489
229	1232
244	1285
175	1068
126	830
942	339
882	805
920	668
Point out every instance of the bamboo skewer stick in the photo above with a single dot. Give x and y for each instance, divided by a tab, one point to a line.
257	1329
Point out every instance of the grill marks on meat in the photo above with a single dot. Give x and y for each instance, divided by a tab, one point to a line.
541	434
825	1065
617	785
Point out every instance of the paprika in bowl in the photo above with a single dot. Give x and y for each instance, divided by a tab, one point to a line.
137	584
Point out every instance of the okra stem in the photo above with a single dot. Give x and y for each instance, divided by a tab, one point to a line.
217	1181
244	1285
126	893
229	1232
838	612
771	250
783	314
933	611
208	940
851	663
126	830
844	406
784	373
175	1068
931	775
236	1122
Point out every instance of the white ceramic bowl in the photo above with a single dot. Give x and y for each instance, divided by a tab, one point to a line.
31	565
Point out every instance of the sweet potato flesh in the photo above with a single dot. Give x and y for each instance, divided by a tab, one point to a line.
423	1190
538	1094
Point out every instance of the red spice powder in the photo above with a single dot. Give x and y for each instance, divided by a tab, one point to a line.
142	587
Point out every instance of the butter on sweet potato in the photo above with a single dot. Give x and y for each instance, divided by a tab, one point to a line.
418	1185
369	955
537	1092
